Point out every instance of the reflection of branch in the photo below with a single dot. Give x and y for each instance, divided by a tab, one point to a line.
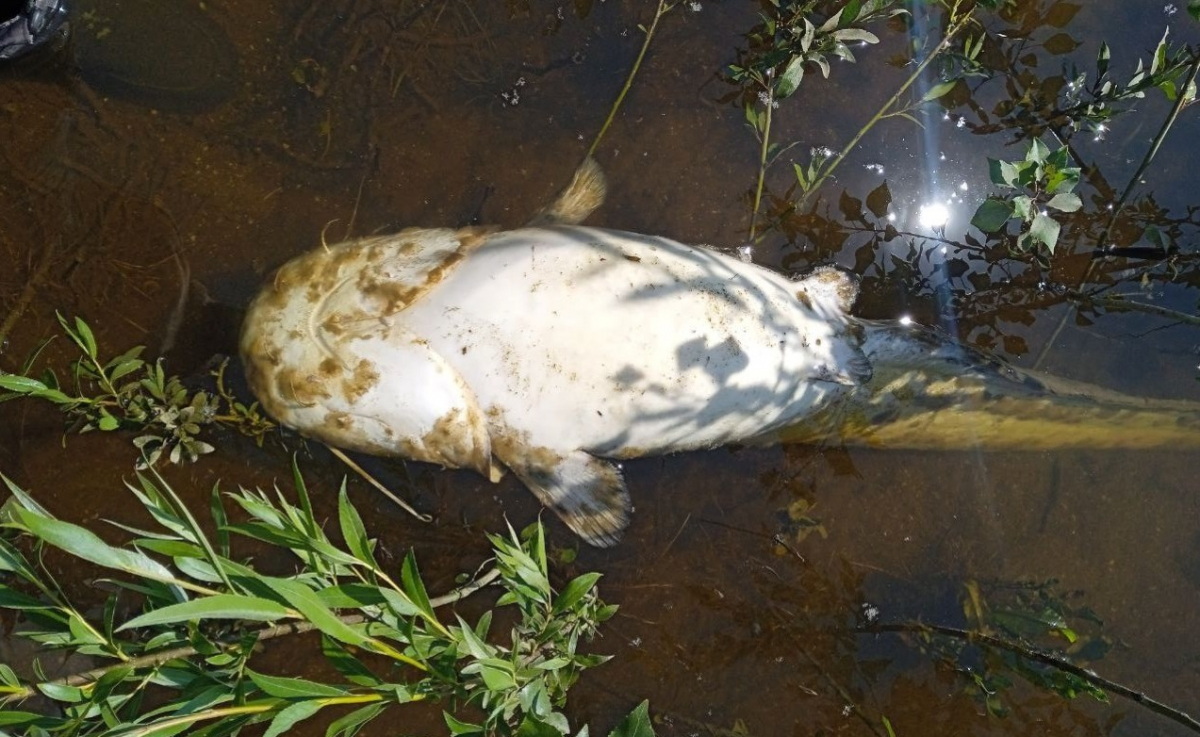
1118	303
1044	658
957	25
922	236
841	691
1180	101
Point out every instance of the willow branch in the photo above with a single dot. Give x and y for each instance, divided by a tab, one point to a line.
156	659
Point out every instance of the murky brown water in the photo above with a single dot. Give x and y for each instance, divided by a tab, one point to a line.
363	116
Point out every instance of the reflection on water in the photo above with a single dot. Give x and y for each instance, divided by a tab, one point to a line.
360	116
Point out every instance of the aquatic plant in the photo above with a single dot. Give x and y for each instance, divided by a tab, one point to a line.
173	647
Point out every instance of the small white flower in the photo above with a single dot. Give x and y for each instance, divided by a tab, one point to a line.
694	6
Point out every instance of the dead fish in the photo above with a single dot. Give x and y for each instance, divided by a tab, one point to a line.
557	351
553	351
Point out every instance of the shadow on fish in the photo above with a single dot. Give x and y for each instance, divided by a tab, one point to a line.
555	351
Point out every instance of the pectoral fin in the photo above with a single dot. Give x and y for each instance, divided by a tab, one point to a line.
577	200
853	367
586	492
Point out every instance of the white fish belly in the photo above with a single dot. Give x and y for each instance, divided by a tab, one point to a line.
624	345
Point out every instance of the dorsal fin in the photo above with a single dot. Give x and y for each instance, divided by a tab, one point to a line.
578	199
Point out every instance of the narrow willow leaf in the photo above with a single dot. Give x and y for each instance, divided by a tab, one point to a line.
291	715
415	588
13	718
220	606
12	561
293	688
574	592
636	724
790	80
60	692
84	544
85	334
1104	55
21	384
459	727
856	34
939	90
309	604
353	530
351	668
850	13
350	724
310	521
478	649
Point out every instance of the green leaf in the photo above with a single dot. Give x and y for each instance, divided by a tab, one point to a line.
1067	202
415	587
82	543
350	724
992	215
1023	207
497	674
353	530
1037	151
60	692
574	592
291	715
1045	230
636	724
939	90
856	34
21	384
309	604
351	668
11	717
849	13
1003	173
1193	9
13	599
220	606
531	726
478	649
459	727
293	688
790	80
107	422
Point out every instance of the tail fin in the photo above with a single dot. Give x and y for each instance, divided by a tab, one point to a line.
930	392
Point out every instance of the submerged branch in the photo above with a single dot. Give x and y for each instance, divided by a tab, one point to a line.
659	12
1044	658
